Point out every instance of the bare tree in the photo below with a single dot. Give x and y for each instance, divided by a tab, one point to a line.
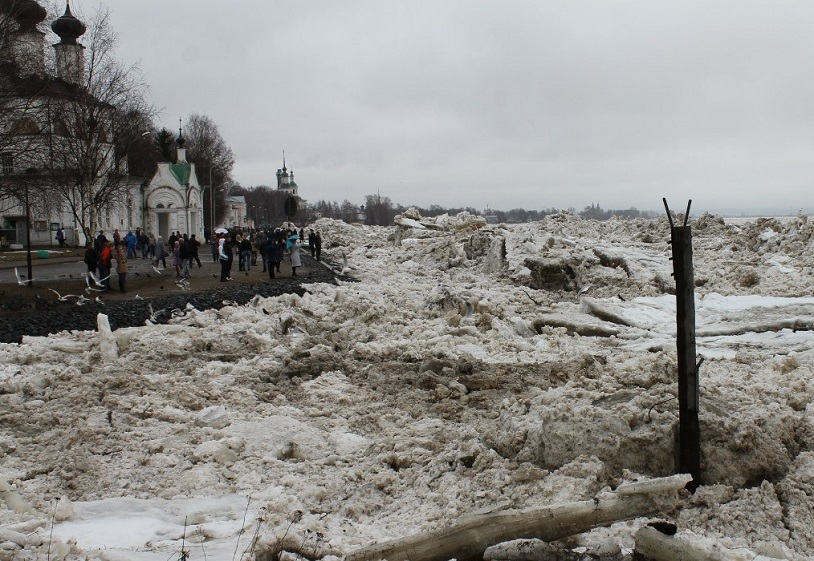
85	166
136	142
379	210
212	156
205	145
268	203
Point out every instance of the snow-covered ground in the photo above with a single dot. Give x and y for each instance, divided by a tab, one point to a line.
472	367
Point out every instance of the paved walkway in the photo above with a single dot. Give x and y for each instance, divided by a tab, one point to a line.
65	271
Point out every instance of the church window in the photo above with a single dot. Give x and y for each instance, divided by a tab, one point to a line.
6	163
60	128
26	126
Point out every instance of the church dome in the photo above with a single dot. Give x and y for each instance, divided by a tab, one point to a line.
68	27
27	13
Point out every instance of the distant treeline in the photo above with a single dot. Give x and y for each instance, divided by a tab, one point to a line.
265	207
380	211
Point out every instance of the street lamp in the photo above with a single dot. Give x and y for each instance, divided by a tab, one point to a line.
212	201
30	173
212	191
212	208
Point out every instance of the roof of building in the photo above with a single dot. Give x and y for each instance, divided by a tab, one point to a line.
27	13
68	28
181	172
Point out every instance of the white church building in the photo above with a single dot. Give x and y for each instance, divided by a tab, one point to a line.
171	201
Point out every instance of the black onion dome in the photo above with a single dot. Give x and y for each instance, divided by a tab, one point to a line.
27	13
68	27
180	141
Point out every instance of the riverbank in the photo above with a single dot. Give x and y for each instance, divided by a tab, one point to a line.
59	304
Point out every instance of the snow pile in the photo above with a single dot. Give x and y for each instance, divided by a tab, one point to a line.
471	367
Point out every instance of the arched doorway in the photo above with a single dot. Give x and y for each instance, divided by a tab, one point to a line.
164	208
163	216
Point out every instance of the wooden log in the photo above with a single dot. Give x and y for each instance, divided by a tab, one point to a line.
468	539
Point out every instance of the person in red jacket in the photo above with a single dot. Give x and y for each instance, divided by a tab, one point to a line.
105	257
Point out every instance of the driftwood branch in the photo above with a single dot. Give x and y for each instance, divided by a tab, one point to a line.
772	325
468	539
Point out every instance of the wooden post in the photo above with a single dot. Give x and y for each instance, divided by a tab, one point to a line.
689	437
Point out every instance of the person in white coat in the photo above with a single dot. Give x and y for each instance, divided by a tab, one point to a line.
296	245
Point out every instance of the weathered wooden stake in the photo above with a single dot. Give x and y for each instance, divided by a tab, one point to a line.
689	431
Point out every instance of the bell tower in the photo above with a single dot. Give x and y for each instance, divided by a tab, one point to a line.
70	55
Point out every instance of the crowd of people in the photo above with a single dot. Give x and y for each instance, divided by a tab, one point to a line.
272	246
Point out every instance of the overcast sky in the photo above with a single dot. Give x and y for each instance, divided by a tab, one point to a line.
508	104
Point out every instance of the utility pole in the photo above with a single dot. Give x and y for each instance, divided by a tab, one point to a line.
689	431
30	173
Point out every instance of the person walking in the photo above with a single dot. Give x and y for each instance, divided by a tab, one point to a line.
274	253
99	242
296	261
160	252
246	255
91	260
225	256
151	247
131	241
311	241
214	247
144	244
105	257
61	237
318	244
193	251
176	257
184	256
260	244
121	267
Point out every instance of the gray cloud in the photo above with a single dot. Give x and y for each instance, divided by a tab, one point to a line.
507	104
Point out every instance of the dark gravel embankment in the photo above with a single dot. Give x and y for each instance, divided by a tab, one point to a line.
50	316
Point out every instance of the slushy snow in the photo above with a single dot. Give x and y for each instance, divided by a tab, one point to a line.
470	367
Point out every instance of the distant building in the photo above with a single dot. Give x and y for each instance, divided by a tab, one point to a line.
35	120
41	131
285	181
287	185
171	201
490	217
236	215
